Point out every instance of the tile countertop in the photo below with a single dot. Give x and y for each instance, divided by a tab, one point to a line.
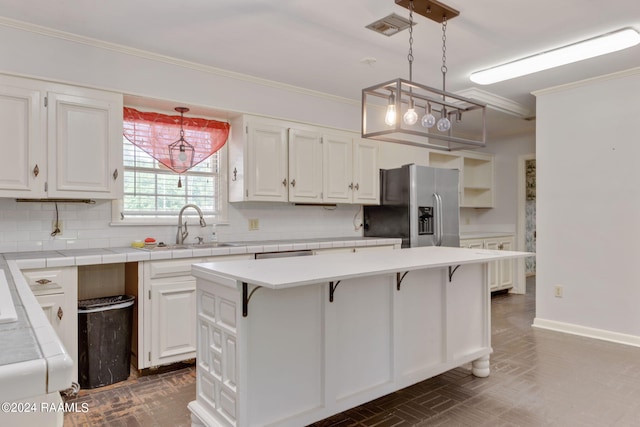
71	257
34	362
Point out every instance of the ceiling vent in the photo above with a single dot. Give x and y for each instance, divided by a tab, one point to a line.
389	25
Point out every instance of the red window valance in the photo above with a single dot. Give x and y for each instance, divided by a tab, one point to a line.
153	132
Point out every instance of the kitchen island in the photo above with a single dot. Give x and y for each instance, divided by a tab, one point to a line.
289	341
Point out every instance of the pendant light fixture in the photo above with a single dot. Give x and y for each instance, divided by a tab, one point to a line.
385	103
181	152
410	117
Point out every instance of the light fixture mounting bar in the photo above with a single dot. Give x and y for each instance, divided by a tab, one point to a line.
431	9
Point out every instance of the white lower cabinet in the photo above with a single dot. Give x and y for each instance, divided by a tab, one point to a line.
169	326
56	291
500	272
173	334
52	306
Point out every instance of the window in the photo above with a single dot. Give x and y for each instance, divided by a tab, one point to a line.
154	191
151	190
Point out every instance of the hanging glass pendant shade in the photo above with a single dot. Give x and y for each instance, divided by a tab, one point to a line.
181	152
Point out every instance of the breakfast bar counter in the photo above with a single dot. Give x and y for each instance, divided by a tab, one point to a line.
290	341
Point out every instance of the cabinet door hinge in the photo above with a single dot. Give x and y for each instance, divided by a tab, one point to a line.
246	129
247	192
46	101
149	293
149	356
46	187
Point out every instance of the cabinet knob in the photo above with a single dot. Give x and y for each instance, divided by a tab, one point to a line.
501	246
60	313
115	174
357	187
43	281
351	186
36	170
293	182
284	182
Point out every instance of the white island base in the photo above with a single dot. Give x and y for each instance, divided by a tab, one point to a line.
297	357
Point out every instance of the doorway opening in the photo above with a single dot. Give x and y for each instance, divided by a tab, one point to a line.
526	232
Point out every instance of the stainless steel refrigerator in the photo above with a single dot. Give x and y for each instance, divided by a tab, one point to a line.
418	204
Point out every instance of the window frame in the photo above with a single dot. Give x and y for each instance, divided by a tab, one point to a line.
223	199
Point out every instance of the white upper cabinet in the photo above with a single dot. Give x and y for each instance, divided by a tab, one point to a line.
23	168
85	145
258	161
351	170
273	160
305	166
68	141
338	168
366	172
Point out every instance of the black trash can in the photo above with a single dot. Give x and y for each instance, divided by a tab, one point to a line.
104	340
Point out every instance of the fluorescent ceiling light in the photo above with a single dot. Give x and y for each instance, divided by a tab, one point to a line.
600	45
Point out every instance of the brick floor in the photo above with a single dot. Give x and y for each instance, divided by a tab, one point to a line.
538	378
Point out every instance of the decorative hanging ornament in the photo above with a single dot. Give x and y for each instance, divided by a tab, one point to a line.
181	152
155	133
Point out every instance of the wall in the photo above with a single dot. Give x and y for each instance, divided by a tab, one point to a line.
588	207
27	226
50	55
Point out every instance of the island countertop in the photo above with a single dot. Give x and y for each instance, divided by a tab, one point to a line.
280	273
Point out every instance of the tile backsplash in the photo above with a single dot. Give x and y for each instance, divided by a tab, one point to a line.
27	226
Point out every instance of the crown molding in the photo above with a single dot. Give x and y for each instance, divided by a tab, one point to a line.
496	102
126	50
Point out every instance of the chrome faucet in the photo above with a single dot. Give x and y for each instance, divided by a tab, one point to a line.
182	234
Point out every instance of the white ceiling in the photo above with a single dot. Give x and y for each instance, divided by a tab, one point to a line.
320	45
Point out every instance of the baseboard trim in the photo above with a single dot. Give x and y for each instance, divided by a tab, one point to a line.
584	331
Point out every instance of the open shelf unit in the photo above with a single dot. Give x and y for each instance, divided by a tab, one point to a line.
476	176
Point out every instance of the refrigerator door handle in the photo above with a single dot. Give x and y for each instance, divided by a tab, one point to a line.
441	220
438	227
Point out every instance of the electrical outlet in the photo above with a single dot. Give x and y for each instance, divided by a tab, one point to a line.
56	227
254	224
557	291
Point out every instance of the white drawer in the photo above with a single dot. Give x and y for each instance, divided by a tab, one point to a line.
171	268
45	282
182	267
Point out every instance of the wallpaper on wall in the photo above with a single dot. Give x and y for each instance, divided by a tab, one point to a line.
530	211
531	179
